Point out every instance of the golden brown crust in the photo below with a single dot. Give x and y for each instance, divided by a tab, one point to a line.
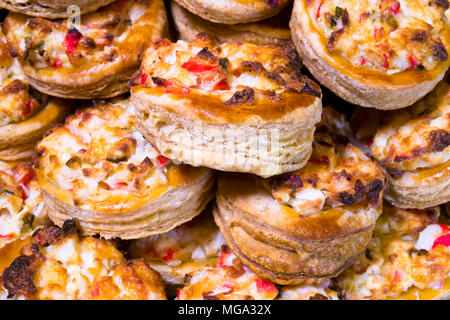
272	31
52	9
233	11
96	61
361	86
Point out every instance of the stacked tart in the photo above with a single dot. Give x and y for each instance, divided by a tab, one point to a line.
380	54
98	169
232	106
234	11
413	145
25	113
93	59
274	30
308	225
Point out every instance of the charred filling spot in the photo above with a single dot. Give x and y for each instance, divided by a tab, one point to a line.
207	55
291	181
18	277
439	51
273	3
440	140
243	97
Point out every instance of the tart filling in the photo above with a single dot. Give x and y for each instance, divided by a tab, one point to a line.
21	204
237	74
409	251
59	264
230	280
337	174
385	35
19	100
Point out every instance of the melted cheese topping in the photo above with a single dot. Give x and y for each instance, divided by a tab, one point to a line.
336	175
19	100
98	161
54	44
223	70
21	206
387	35
230	280
416	137
393	264
77	267
196	241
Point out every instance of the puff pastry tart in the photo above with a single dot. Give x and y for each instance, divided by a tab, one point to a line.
21	206
408	258
309	225
233	11
51	8
99	169
229	280
95	59
232	106
25	114
59	264
385	54
271	31
183	250
414	146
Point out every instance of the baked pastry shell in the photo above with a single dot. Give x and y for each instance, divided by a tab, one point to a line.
52	9
157	215
278	245
192	129
263	33
230	11
17	139
423	189
367	88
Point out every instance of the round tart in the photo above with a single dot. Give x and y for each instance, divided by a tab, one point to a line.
59	264
95	59
233	11
229	280
233	106
385	54
407	258
99	169
413	145
51	8
21	206
309	225
183	250
25	114
271	31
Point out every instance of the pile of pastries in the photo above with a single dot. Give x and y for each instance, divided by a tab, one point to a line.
226	149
